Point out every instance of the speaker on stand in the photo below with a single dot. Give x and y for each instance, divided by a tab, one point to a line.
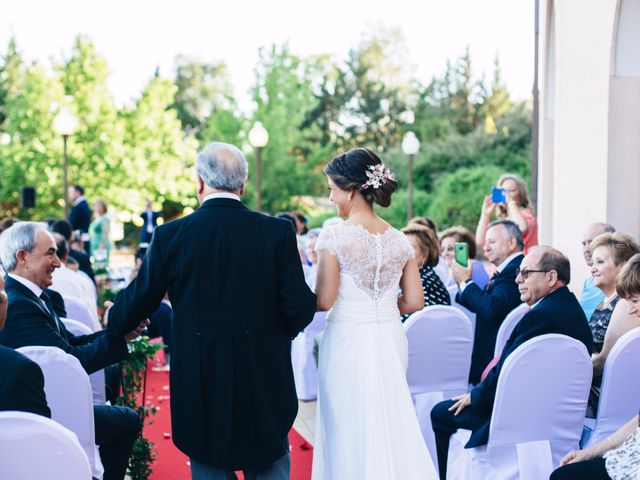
28	197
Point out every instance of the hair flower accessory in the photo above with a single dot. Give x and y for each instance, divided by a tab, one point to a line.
377	175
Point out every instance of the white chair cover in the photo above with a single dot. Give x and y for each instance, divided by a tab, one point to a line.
537	416
453	291
440	344
68	391
79	311
620	388
507	326
305	371
96	378
35	447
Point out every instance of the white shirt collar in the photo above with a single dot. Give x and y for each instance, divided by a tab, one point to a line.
506	261
230	195
27	283
79	199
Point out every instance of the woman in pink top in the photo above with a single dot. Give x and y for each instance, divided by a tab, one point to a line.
518	209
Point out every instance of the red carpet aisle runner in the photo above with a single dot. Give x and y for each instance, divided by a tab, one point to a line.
171	463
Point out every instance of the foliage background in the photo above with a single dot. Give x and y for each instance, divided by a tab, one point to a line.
470	130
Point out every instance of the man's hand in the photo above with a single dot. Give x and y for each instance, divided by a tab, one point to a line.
133	334
460	273
462	402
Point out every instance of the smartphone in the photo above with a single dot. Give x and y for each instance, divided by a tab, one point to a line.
461	253
499	195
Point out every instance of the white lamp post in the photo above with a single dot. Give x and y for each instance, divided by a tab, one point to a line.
65	124
410	146
258	138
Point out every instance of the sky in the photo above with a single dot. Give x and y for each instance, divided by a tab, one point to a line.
136	36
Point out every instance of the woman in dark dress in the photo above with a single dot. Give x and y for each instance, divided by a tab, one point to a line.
427	251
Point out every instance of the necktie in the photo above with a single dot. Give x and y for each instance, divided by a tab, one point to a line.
47	301
495	274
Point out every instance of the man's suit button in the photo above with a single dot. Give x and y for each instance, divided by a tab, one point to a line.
247	332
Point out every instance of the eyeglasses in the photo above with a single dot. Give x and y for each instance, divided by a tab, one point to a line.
524	273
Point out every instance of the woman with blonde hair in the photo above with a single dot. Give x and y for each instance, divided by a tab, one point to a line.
517	208
427	253
611	318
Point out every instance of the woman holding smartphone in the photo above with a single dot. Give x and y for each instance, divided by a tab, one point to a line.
511	202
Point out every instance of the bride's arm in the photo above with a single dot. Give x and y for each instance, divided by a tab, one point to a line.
412	298
327	281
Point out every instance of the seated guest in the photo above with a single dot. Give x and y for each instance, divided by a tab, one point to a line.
591	295
28	253
542	282
74	284
427	252
493	303
442	268
311	269
21	382
618	455
84	261
611	318
459	234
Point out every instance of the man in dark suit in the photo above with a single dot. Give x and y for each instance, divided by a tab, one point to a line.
28	253
150	219
65	229
238	293
503	248
542	282
80	214
21	382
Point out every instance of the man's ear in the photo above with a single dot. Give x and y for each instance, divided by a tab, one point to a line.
21	256
200	184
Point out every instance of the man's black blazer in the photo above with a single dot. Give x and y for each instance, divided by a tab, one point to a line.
491	306
235	282
21	384
30	323
558	312
80	216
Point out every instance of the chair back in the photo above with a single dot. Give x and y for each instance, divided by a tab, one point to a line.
34	447
78	310
69	396
440	343
542	393
305	370
453	292
507	326
96	378
620	388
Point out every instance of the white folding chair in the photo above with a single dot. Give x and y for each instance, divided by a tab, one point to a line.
305	371
34	447
507	326
68	391
79	311
538	412
96	378
619	390
440	344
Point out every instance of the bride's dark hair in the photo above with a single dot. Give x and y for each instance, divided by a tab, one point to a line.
349	172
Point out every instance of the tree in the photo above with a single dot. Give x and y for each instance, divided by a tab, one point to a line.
201	88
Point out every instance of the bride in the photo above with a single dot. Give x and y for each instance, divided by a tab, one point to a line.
366	426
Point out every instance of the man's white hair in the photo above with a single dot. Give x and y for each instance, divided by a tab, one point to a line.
222	166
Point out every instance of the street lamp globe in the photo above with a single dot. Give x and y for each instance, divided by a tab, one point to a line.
410	144
258	135
65	123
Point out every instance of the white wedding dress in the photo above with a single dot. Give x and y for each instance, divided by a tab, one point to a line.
366	426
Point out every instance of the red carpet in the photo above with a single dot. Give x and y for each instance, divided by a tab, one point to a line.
171	463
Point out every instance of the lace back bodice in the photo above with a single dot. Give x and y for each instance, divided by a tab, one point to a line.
373	261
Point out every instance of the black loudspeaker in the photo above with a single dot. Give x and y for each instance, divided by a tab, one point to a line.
28	197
